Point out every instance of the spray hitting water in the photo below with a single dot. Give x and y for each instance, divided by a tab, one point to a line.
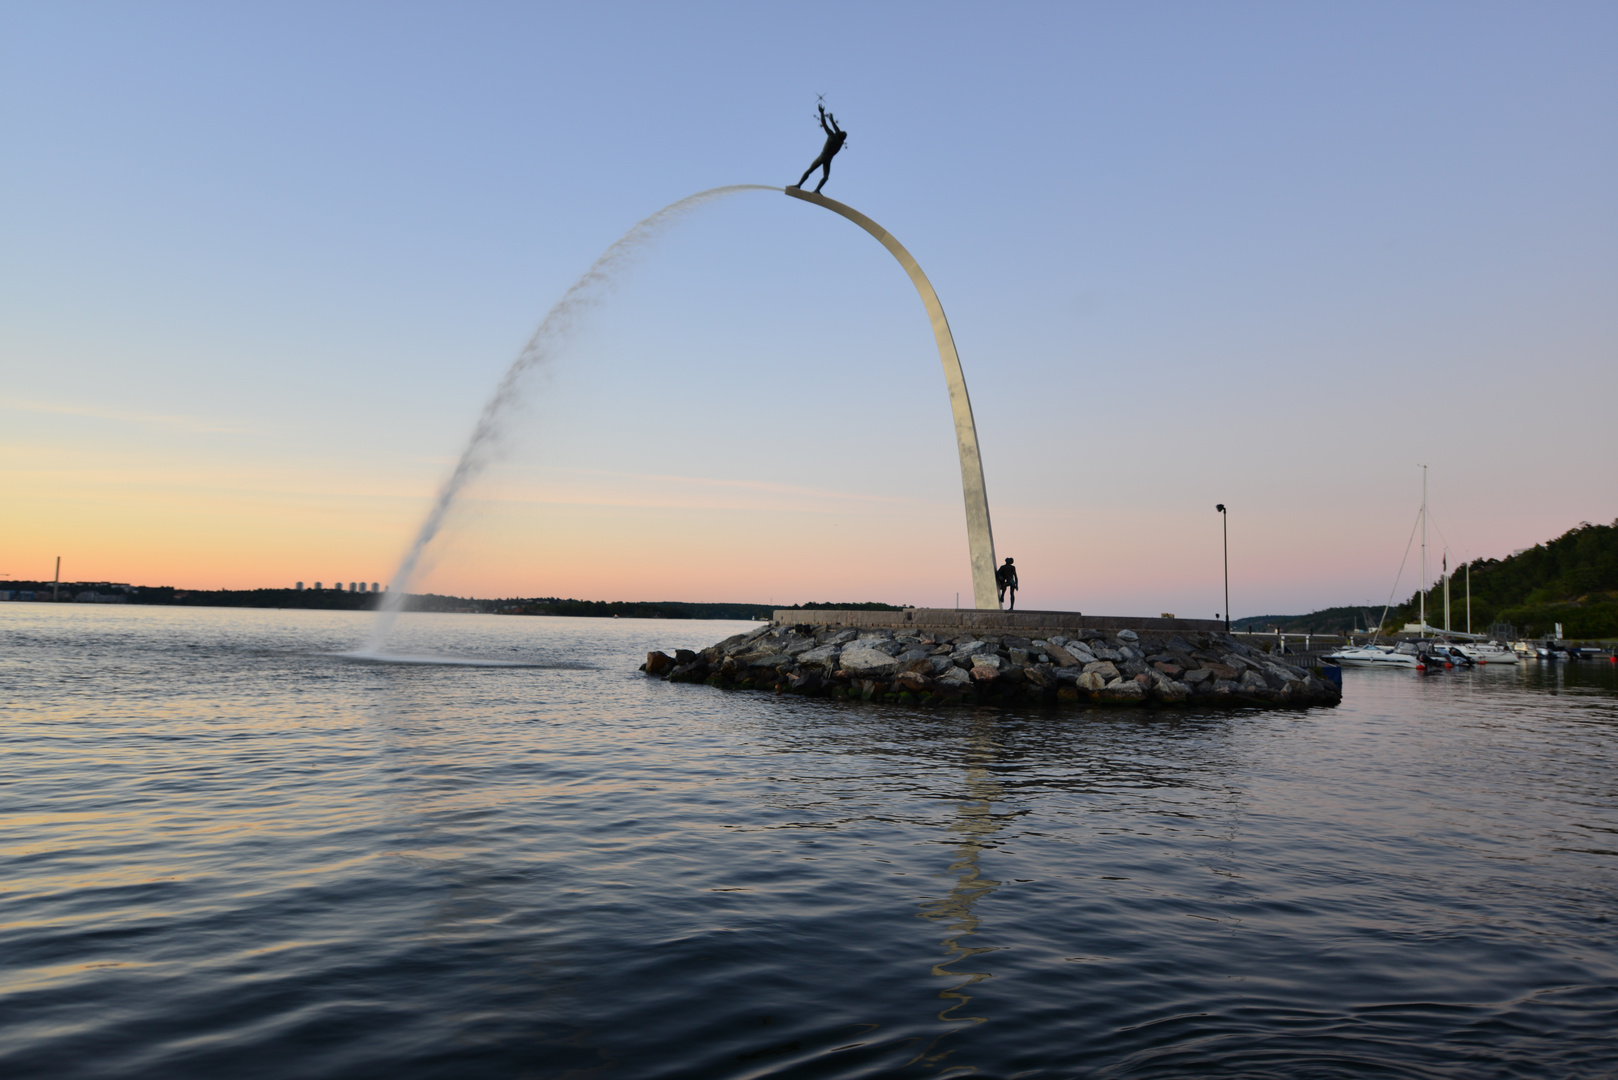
541	348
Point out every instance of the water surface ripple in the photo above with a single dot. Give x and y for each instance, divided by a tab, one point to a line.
230	851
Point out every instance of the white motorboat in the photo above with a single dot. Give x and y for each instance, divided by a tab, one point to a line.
1490	652
1403	655
1447	654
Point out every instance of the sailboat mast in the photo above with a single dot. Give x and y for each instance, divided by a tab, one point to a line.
1446	590
1469	595
1422	592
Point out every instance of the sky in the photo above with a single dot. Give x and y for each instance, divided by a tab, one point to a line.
261	266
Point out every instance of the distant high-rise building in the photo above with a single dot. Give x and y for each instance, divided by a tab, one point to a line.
317	586
300	586
351	587
375	587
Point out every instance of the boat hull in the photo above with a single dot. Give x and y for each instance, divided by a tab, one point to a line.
1484	654
1372	658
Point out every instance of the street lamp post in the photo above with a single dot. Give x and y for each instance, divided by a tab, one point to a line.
1224	517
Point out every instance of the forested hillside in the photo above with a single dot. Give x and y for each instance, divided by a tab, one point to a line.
1572	580
1335	620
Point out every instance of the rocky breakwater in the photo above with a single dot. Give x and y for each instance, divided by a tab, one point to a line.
1121	667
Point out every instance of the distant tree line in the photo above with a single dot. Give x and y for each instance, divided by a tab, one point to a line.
339	600
1572	580
627	609
1333	620
115	592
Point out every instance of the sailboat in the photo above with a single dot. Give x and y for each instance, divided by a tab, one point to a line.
1425	652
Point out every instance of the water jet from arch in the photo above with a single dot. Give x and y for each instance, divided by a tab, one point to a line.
585	293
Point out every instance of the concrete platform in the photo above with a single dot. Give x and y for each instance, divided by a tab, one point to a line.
971	620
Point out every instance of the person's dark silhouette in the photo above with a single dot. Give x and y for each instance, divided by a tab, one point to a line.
835	137
1006	578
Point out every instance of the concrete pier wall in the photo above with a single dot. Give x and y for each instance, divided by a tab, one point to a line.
968	620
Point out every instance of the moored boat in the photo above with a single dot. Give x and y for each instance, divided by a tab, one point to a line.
1487	652
1403	655
1446	654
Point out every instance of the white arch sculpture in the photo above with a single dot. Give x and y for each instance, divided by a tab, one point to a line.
979	534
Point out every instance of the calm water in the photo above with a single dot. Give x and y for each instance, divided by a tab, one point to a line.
227	852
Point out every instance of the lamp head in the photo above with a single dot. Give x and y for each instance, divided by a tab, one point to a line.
1220	508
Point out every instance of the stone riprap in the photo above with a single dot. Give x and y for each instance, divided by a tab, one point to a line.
1107	667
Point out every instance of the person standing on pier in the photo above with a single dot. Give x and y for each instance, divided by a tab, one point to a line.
1006	578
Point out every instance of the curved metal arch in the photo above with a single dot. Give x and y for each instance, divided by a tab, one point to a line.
979	534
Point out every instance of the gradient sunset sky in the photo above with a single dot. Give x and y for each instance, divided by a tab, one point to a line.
262	264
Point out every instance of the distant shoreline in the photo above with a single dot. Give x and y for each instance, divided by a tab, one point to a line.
341	600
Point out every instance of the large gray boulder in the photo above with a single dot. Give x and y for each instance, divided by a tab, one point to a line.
1105	668
1127	691
1042	676
824	656
740	642
1060	656
882	645
969	649
860	659
1167	689
1285	673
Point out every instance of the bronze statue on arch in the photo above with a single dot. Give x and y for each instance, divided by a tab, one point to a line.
835	138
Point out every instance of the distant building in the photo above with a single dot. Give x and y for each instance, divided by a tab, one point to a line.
351	587
375	587
300	586
317	586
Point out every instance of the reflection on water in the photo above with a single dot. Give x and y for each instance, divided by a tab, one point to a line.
974	820
228	851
